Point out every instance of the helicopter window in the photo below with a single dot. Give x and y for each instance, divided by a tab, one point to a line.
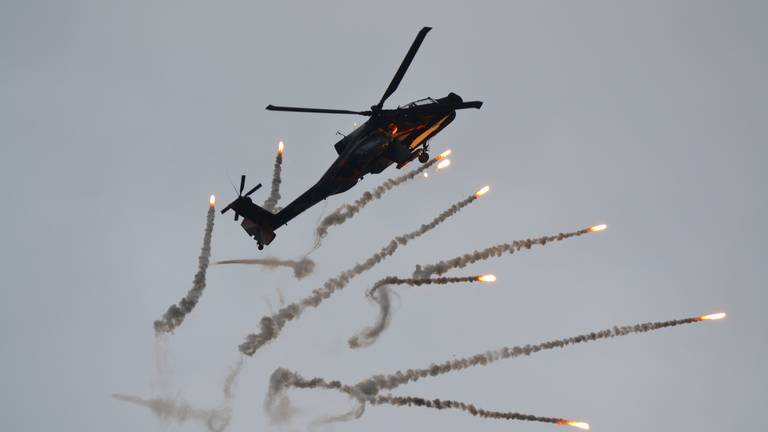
425	101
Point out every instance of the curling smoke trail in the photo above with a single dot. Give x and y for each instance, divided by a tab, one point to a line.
278	407
175	314
495	251
375	384
469	408
301	268
380	294
270	204
346	211
272	325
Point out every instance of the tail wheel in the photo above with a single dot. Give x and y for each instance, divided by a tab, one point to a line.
423	157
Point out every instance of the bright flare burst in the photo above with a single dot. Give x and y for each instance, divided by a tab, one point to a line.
714	316
578	424
212	201
426	174
597	228
444	163
280	147
444	154
482	191
487	278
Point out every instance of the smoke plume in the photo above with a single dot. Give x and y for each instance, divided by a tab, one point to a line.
231	380
441	404
346	211
272	325
270	204
380	294
301	268
169	409
441	267
215	420
163	372
375	384
175	314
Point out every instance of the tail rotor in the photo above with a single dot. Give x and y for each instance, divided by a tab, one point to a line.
241	196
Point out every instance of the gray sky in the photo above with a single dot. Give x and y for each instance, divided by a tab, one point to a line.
118	119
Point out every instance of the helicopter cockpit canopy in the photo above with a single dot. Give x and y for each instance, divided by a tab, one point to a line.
420	102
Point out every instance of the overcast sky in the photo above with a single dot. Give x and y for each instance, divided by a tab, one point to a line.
118	119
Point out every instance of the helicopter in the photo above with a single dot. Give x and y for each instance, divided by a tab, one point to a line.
389	136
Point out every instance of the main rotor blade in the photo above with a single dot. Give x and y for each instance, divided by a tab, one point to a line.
316	110
473	104
242	183
404	66
255	188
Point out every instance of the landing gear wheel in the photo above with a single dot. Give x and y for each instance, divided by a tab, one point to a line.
261	246
423	157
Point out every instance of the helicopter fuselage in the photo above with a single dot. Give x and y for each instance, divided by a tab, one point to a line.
394	137
390	136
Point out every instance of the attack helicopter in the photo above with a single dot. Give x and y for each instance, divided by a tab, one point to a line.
389	136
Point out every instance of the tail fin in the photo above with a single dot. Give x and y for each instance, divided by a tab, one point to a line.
257	221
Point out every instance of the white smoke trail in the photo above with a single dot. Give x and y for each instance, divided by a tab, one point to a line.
441	267
175	314
380	294
278	406
441	404
346	211
272	325
270	204
301	268
375	384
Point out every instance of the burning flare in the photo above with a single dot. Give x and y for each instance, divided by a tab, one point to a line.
487	278
597	228
280	147
443	155
444	164
482	191
212	201
577	424
714	316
